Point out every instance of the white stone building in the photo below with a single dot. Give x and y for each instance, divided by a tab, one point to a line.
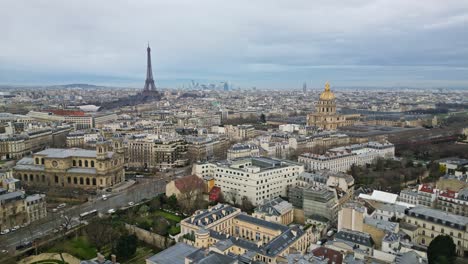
256	178
342	158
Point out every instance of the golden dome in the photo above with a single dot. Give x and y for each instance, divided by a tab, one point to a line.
327	95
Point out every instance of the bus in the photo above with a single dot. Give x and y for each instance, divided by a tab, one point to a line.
87	215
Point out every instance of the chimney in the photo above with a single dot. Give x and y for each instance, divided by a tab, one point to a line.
114	258
100	257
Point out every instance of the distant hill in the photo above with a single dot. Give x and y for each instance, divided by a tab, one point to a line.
78	85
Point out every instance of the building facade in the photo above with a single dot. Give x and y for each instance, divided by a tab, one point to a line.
229	231
74	168
342	158
257	179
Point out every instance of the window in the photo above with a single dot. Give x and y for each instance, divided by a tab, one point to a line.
37	160
81	181
94	181
74	163
69	179
75	180
92	164
87	181
56	179
80	163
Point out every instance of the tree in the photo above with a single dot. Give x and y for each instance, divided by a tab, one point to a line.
441	250
263	118
247	205
191	191
161	226
99	233
143	211
126	246
172	202
233	197
155	204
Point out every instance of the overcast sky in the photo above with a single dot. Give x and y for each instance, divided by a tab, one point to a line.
262	43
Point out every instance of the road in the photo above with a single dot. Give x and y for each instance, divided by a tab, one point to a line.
144	188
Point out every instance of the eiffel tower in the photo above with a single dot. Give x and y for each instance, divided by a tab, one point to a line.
149	83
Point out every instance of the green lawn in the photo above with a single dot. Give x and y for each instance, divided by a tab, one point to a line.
168	216
78	247
174	230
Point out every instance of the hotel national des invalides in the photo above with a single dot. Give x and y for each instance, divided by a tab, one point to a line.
325	115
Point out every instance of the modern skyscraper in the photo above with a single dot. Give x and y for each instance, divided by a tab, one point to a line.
149	83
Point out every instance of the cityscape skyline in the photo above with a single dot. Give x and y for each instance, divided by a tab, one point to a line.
363	43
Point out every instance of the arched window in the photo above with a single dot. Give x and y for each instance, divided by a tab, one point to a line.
87	181
94	181
74	163
37	178
31	177
43	178
92	164
37	160
75	180
56	179
42	161
81	181
80	163
86	163
69	180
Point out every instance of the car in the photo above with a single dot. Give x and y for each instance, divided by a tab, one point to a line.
104	197
139	176
330	233
62	205
4	251
54	210
24	225
55	230
131	203
4	232
111	211
14	229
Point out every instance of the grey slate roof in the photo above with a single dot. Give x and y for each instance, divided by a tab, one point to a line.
173	255
356	237
270	225
4	198
65	153
275	206
208	216
438	216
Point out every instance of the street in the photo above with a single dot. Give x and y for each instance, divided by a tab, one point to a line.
145	188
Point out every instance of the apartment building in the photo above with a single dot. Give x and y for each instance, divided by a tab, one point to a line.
342	158
431	223
153	151
256	178
229	231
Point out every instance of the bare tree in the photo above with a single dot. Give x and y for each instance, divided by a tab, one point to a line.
99	233
191	191
233	197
